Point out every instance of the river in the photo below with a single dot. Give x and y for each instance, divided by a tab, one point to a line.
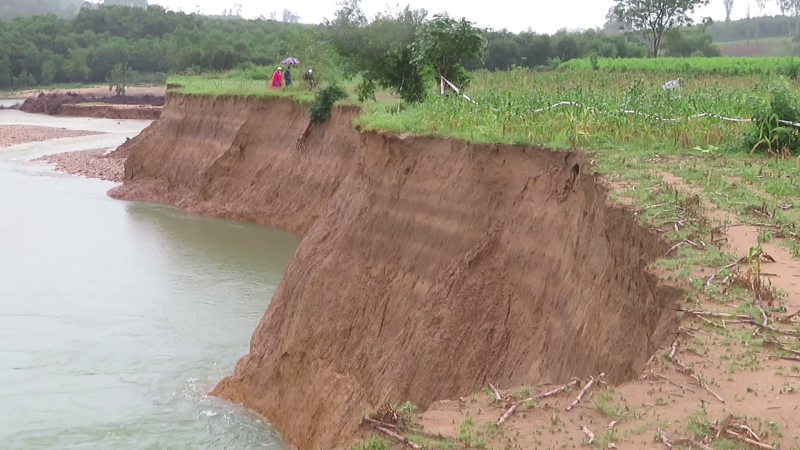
116	318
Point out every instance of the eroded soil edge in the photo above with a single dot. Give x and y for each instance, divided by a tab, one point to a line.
429	266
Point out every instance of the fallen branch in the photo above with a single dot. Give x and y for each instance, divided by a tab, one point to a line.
687	371
377	423
697	312
763	316
588	433
724	426
790	358
665	441
750	441
402	439
507	414
691	443
551	393
494	389
671	249
705	386
582	392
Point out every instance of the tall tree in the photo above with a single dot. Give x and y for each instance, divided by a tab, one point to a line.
652	18
290	16
444	42
729	9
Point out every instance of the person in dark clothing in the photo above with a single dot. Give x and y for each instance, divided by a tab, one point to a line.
308	77
287	77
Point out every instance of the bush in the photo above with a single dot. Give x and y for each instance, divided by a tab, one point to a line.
323	102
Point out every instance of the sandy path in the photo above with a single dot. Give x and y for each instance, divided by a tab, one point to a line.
88	163
96	91
21	134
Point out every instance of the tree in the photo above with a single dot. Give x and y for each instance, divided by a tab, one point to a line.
380	50
290	17
729	9
444	42
120	78
652	18
129	3
76	68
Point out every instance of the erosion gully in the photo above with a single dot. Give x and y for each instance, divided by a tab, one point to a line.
116	318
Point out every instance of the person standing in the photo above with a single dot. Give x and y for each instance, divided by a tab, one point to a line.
308	77
277	79
287	76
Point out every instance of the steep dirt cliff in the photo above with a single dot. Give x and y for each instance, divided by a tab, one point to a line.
429	266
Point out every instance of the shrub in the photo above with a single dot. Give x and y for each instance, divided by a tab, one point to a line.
323	102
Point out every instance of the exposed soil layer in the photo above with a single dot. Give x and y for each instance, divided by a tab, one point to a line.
89	163
429	266
142	112
61	104
21	134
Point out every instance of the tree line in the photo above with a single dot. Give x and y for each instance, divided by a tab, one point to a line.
152	41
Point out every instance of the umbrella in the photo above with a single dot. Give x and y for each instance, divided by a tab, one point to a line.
290	62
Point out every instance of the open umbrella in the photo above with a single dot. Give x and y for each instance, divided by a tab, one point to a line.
290	62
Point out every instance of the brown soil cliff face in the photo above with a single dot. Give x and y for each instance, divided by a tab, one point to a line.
429	267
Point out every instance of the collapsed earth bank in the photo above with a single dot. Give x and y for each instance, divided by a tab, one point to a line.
429	266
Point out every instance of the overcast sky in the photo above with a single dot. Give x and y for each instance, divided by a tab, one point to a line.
543	16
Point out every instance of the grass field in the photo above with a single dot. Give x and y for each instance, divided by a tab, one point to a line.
780	46
722	66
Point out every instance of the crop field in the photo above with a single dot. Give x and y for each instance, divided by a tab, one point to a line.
607	110
726	65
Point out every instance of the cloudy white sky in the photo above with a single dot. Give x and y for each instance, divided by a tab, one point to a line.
544	16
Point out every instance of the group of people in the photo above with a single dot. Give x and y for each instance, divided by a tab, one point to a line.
282	78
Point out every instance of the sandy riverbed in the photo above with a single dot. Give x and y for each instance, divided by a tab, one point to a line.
21	134
89	163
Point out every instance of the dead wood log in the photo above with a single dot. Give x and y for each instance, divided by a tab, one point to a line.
507	414
583	392
551	393
494	390
750	441
724	426
396	436
588	433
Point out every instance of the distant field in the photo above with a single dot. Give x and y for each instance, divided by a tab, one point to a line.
764	47
727	65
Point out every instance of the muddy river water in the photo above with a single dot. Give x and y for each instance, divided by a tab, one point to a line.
116	318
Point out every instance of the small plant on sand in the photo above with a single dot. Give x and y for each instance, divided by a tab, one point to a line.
373	443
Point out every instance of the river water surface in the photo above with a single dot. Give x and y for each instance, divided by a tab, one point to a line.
116	318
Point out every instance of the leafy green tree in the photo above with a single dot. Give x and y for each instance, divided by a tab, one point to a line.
443	42
652	18
380	50
48	72
76	68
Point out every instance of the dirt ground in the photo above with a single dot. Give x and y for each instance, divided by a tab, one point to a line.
21	134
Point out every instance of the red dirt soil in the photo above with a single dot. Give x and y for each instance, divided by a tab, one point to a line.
429	266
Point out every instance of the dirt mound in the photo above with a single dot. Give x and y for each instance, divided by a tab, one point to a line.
50	103
55	104
429	266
